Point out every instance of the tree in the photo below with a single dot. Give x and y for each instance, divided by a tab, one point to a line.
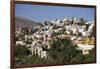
45	22
91	56
34	60
79	34
93	34
62	51
79	58
82	21
87	26
21	51
63	30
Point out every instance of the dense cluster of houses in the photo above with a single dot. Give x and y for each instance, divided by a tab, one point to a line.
73	29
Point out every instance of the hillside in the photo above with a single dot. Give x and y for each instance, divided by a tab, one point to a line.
23	22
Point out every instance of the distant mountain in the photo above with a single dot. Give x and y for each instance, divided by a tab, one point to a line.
24	22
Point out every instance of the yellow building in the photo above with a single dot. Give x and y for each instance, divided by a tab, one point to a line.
89	41
66	36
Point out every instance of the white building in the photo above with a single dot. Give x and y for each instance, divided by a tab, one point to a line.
85	48
20	43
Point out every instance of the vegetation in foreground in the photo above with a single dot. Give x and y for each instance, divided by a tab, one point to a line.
62	51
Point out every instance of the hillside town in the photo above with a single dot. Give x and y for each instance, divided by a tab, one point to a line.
37	39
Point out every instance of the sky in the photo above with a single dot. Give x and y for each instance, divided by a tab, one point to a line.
44	12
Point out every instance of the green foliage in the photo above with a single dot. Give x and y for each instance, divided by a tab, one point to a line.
28	41
82	21
90	57
34	60
59	32
56	33
62	51
21	51
79	34
79	58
